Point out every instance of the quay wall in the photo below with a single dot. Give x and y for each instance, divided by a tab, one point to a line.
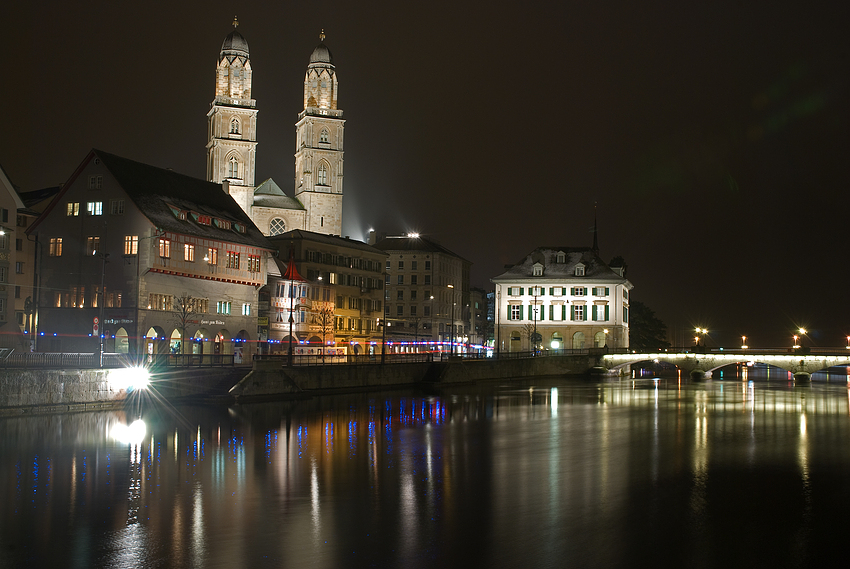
56	391
69	390
273	378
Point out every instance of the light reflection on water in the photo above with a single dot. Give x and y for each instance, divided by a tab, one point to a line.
549	473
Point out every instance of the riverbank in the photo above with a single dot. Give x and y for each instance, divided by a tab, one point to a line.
68	391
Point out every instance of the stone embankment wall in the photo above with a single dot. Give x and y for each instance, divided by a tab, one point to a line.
271	378
56	391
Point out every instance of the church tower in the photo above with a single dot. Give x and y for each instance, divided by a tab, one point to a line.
319	146
232	120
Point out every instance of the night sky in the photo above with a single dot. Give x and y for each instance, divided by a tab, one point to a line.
712	136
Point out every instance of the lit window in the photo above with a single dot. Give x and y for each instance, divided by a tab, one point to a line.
232	261
19	268
73	209
246	310
131	244
55	247
116	207
223	307
212	256
254	263
92	245
323	175
94	208
165	248
188	252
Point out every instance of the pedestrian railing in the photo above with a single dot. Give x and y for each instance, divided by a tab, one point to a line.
44	360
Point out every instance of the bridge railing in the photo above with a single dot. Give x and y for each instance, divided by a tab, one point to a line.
61	360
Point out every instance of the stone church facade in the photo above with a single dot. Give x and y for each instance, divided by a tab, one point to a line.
231	151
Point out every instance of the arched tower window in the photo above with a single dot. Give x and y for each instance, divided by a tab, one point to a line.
277	226
234	126
322	179
324	136
233	167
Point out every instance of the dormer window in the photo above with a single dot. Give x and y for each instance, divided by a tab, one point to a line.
537	270
178	213
222	223
202	219
579	270
562	257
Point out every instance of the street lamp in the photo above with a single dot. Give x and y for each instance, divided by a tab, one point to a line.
534	292
848	342
744	343
605	331
701	332
802	332
383	339
452	337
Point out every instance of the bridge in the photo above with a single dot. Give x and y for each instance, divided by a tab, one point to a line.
700	363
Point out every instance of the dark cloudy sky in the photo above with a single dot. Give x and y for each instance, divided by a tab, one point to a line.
712	135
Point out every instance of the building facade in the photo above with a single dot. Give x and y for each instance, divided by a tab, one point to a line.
154	261
562	297
427	295
338	304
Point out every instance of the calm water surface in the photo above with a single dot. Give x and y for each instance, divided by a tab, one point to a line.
544	473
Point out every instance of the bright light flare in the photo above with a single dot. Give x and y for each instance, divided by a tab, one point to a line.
130	434
129	379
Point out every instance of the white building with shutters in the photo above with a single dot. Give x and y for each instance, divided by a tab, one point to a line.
568	296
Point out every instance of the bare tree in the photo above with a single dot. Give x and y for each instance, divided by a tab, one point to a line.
184	309
324	319
527	331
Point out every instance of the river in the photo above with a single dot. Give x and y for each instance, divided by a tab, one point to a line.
746	471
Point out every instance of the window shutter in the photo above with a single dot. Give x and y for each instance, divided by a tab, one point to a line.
563	312
551	291
530	312
573	291
606	312
521	291
606	291
572	312
551	312
594	313
509	291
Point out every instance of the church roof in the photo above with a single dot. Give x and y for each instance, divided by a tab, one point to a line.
269	194
321	55
234	45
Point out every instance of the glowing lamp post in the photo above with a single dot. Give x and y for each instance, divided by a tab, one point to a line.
292	276
796	343
744	342
848	342
701	332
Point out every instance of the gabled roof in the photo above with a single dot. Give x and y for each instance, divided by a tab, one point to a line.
299	234
156	190
269	194
594	267
414	244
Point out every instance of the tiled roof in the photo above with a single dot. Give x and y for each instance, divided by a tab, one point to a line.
594	266
413	244
299	234
154	190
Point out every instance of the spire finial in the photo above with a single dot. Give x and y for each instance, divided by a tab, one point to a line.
235	22
322	35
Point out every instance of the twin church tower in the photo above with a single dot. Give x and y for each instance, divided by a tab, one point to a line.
232	146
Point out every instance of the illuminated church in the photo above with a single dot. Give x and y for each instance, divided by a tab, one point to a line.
231	151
